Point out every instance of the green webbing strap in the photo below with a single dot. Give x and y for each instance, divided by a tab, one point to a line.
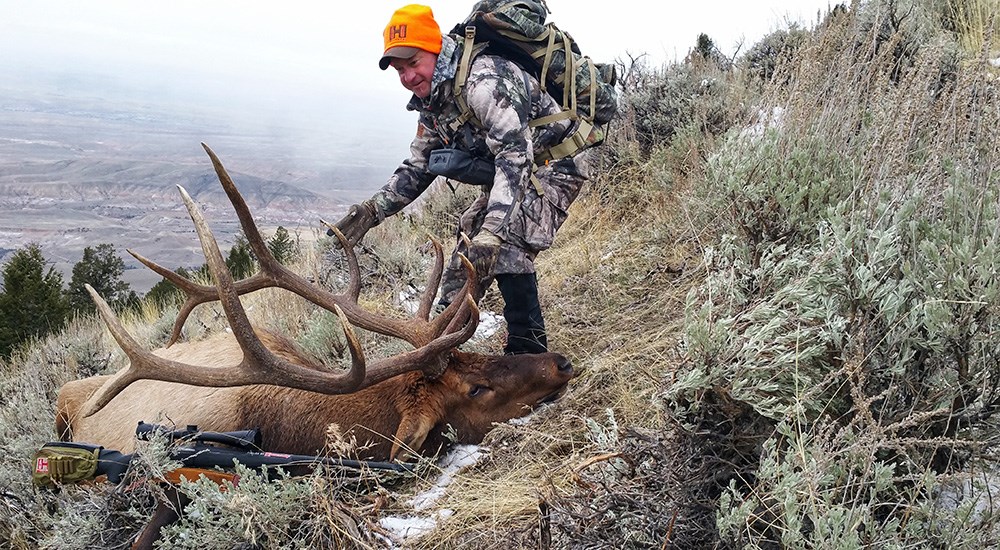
569	92
536	183
463	65
549	50
571	145
461	77
515	35
556	117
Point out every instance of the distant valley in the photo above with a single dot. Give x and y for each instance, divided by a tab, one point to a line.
84	163
66	206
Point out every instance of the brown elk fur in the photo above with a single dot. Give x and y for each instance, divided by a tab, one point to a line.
407	412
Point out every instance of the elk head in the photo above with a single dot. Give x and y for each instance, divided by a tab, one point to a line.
418	394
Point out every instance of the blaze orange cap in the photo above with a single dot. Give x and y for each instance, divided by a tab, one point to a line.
412	28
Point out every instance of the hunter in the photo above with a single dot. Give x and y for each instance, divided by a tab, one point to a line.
525	197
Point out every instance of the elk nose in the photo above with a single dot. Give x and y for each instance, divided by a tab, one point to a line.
564	365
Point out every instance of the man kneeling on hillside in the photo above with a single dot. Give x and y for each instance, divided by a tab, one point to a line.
516	215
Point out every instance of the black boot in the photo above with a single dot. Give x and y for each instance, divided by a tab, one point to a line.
525	326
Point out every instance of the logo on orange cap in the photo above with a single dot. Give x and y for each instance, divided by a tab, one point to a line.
411	28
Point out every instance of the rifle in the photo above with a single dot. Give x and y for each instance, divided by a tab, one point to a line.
198	452
247	451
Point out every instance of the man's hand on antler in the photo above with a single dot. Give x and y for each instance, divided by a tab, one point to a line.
359	219
482	252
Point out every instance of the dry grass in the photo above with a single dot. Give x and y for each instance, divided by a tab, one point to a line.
976	24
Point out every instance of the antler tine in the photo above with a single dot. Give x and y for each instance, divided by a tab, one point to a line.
124	377
445	321
282	277
433	280
254	238
269	264
353	268
196	294
146	365
430	356
466	297
256	356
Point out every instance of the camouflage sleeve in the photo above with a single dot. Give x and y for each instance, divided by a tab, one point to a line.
411	178
497	94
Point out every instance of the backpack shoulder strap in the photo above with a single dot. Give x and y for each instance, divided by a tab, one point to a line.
462	77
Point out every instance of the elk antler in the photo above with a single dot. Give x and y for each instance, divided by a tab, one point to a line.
431	338
418	331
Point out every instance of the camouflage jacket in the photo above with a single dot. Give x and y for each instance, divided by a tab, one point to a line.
503	98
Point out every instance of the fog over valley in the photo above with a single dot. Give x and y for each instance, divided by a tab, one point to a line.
88	158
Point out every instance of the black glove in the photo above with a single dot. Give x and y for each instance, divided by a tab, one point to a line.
359	219
483	251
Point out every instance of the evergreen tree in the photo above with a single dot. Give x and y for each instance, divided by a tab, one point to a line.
282	246
102	269
165	293
32	303
241	261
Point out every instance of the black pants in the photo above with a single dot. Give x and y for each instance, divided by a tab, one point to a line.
523	313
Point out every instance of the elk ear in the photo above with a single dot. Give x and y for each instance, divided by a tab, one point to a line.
412	432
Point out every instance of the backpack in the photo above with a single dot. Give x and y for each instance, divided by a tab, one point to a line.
516	30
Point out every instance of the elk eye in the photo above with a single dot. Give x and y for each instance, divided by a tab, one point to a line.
477	390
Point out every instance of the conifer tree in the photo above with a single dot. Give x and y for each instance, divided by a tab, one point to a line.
282	246
102	269
165	293
32	303
241	261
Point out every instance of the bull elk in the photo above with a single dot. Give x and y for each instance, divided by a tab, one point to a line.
393	406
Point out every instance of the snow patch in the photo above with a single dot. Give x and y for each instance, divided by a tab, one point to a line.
489	322
765	121
978	494
403	529
462	456
995	62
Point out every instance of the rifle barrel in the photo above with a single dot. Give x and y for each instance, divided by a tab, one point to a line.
206	456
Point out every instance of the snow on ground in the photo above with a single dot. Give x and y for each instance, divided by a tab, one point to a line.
411	528
765	121
978	494
462	456
489	322
405	529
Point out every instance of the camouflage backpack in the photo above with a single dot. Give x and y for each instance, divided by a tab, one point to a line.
516	30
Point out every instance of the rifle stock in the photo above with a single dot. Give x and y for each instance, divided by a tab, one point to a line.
174	477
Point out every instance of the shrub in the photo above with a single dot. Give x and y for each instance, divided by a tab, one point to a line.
655	107
774	50
839	364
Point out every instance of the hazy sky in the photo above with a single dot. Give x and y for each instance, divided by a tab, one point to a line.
319	59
